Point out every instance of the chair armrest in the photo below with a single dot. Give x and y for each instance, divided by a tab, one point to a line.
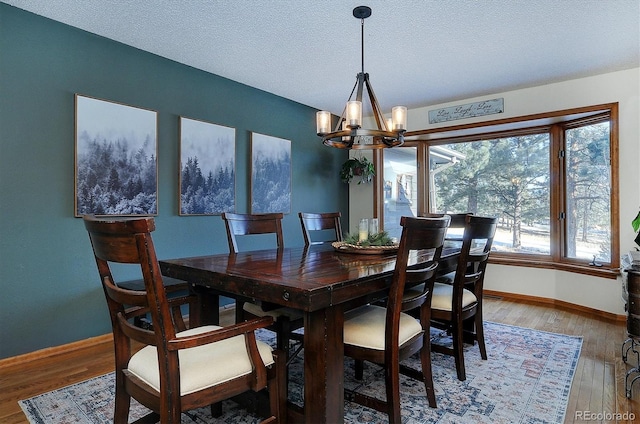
223	333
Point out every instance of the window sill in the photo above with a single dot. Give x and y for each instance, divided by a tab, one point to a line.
602	272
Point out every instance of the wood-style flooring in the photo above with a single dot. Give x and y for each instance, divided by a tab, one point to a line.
597	391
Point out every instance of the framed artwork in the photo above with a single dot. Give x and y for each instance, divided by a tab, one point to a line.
116	168
270	174
207	168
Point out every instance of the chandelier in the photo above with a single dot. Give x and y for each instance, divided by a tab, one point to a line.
348	133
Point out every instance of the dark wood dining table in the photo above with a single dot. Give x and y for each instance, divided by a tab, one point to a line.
317	280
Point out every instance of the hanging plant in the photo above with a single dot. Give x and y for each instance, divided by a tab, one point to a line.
357	167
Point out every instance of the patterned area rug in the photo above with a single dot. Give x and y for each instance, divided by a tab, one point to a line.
526	379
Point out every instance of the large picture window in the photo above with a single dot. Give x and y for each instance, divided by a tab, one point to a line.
504	177
551	181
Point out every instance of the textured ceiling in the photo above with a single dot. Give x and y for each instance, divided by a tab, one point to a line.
417	52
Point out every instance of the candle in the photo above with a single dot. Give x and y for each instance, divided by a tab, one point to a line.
363	230
373	226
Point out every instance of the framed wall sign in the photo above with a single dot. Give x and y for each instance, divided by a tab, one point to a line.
207	168
116	170
469	110
270	174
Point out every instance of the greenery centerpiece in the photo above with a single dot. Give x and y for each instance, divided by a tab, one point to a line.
380	239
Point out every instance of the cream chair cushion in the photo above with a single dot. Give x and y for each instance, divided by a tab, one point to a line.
442	294
365	327
201	366
256	310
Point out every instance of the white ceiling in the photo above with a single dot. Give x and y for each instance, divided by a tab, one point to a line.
417	52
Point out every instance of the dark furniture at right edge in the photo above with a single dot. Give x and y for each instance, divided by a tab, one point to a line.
633	327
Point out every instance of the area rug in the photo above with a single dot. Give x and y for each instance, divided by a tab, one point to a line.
527	379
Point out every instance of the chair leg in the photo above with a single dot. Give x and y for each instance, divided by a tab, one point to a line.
427	374
170	414
123	401
392	383
277	387
458	350
359	369
216	410
480	335
283	334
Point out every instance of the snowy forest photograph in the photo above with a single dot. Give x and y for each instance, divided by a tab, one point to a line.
207	168
270	174
116	159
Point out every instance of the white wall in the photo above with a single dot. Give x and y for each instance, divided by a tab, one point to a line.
622	87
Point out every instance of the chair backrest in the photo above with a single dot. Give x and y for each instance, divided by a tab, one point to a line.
456	227
474	255
420	236
320	222
128	241
248	224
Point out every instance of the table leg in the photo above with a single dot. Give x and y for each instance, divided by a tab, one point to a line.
324	366
208	305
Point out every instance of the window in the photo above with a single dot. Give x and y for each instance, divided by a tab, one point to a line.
400	192
505	177
588	192
550	180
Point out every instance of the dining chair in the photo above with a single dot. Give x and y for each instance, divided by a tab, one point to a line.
387	335
173	287
457	307
321	223
177	369
286	320
252	224
453	240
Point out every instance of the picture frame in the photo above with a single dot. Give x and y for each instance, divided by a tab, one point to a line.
270	174
116	167
207	168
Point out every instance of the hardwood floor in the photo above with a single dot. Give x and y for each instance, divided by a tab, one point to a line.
598	386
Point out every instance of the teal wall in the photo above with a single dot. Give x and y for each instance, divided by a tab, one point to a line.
49	288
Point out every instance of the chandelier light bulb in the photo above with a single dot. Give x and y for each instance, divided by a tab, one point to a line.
323	122
399	118
354	114
389	124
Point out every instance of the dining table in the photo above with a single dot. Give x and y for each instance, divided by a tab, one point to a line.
321	281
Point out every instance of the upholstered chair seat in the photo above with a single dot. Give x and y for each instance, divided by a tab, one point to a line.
443	294
365	327
203	366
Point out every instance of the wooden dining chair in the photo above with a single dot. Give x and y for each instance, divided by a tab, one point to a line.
457	307
387	335
453	240
286	320
173	287
177	369
328	222
247	224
